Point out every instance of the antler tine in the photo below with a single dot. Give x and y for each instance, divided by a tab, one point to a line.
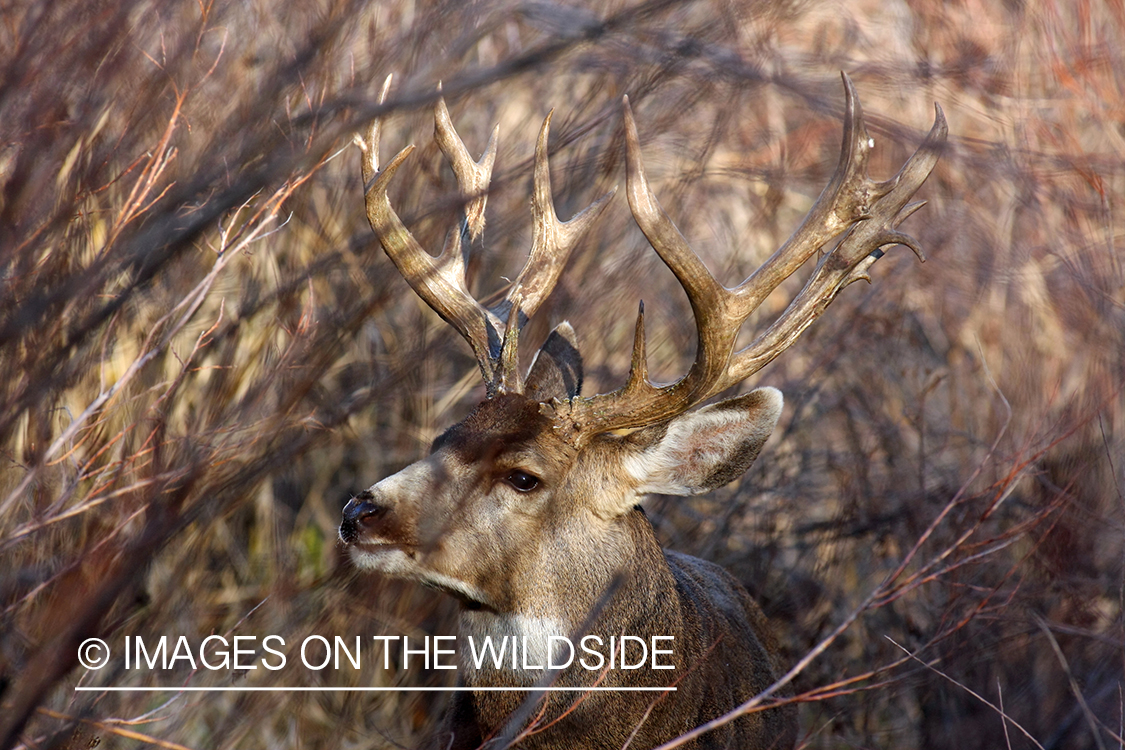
867	210
842	202
368	143
553	240
708	298
440	282
849	261
639	401
473	178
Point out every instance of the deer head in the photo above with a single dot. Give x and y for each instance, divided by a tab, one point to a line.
525	510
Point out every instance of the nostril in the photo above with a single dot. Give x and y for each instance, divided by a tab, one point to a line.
362	512
359	513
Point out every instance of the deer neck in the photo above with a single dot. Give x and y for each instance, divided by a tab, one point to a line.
622	588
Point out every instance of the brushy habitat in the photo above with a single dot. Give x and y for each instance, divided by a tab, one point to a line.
203	351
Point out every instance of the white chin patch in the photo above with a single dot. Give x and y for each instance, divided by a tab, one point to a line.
390	560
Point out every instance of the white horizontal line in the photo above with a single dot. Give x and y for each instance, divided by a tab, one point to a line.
373	689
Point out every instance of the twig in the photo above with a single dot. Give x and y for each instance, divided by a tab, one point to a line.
976	695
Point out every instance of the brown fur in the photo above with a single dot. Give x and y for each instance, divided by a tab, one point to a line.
549	556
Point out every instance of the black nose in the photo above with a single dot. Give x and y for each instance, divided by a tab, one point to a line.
359	512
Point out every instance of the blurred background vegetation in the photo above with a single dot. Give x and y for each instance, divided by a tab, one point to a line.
203	351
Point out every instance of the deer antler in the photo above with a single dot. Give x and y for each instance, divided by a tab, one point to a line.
867	214
493	332
865	211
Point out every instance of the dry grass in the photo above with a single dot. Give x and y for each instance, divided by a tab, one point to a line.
202	353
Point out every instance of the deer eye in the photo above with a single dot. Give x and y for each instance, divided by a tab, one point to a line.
521	480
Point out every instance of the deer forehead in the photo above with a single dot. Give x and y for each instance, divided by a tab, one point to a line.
506	432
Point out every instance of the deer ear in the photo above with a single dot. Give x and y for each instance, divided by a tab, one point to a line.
707	448
557	369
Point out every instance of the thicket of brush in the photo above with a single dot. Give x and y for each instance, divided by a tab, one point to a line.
203	352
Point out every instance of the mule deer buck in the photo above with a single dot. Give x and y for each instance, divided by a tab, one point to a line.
527	512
